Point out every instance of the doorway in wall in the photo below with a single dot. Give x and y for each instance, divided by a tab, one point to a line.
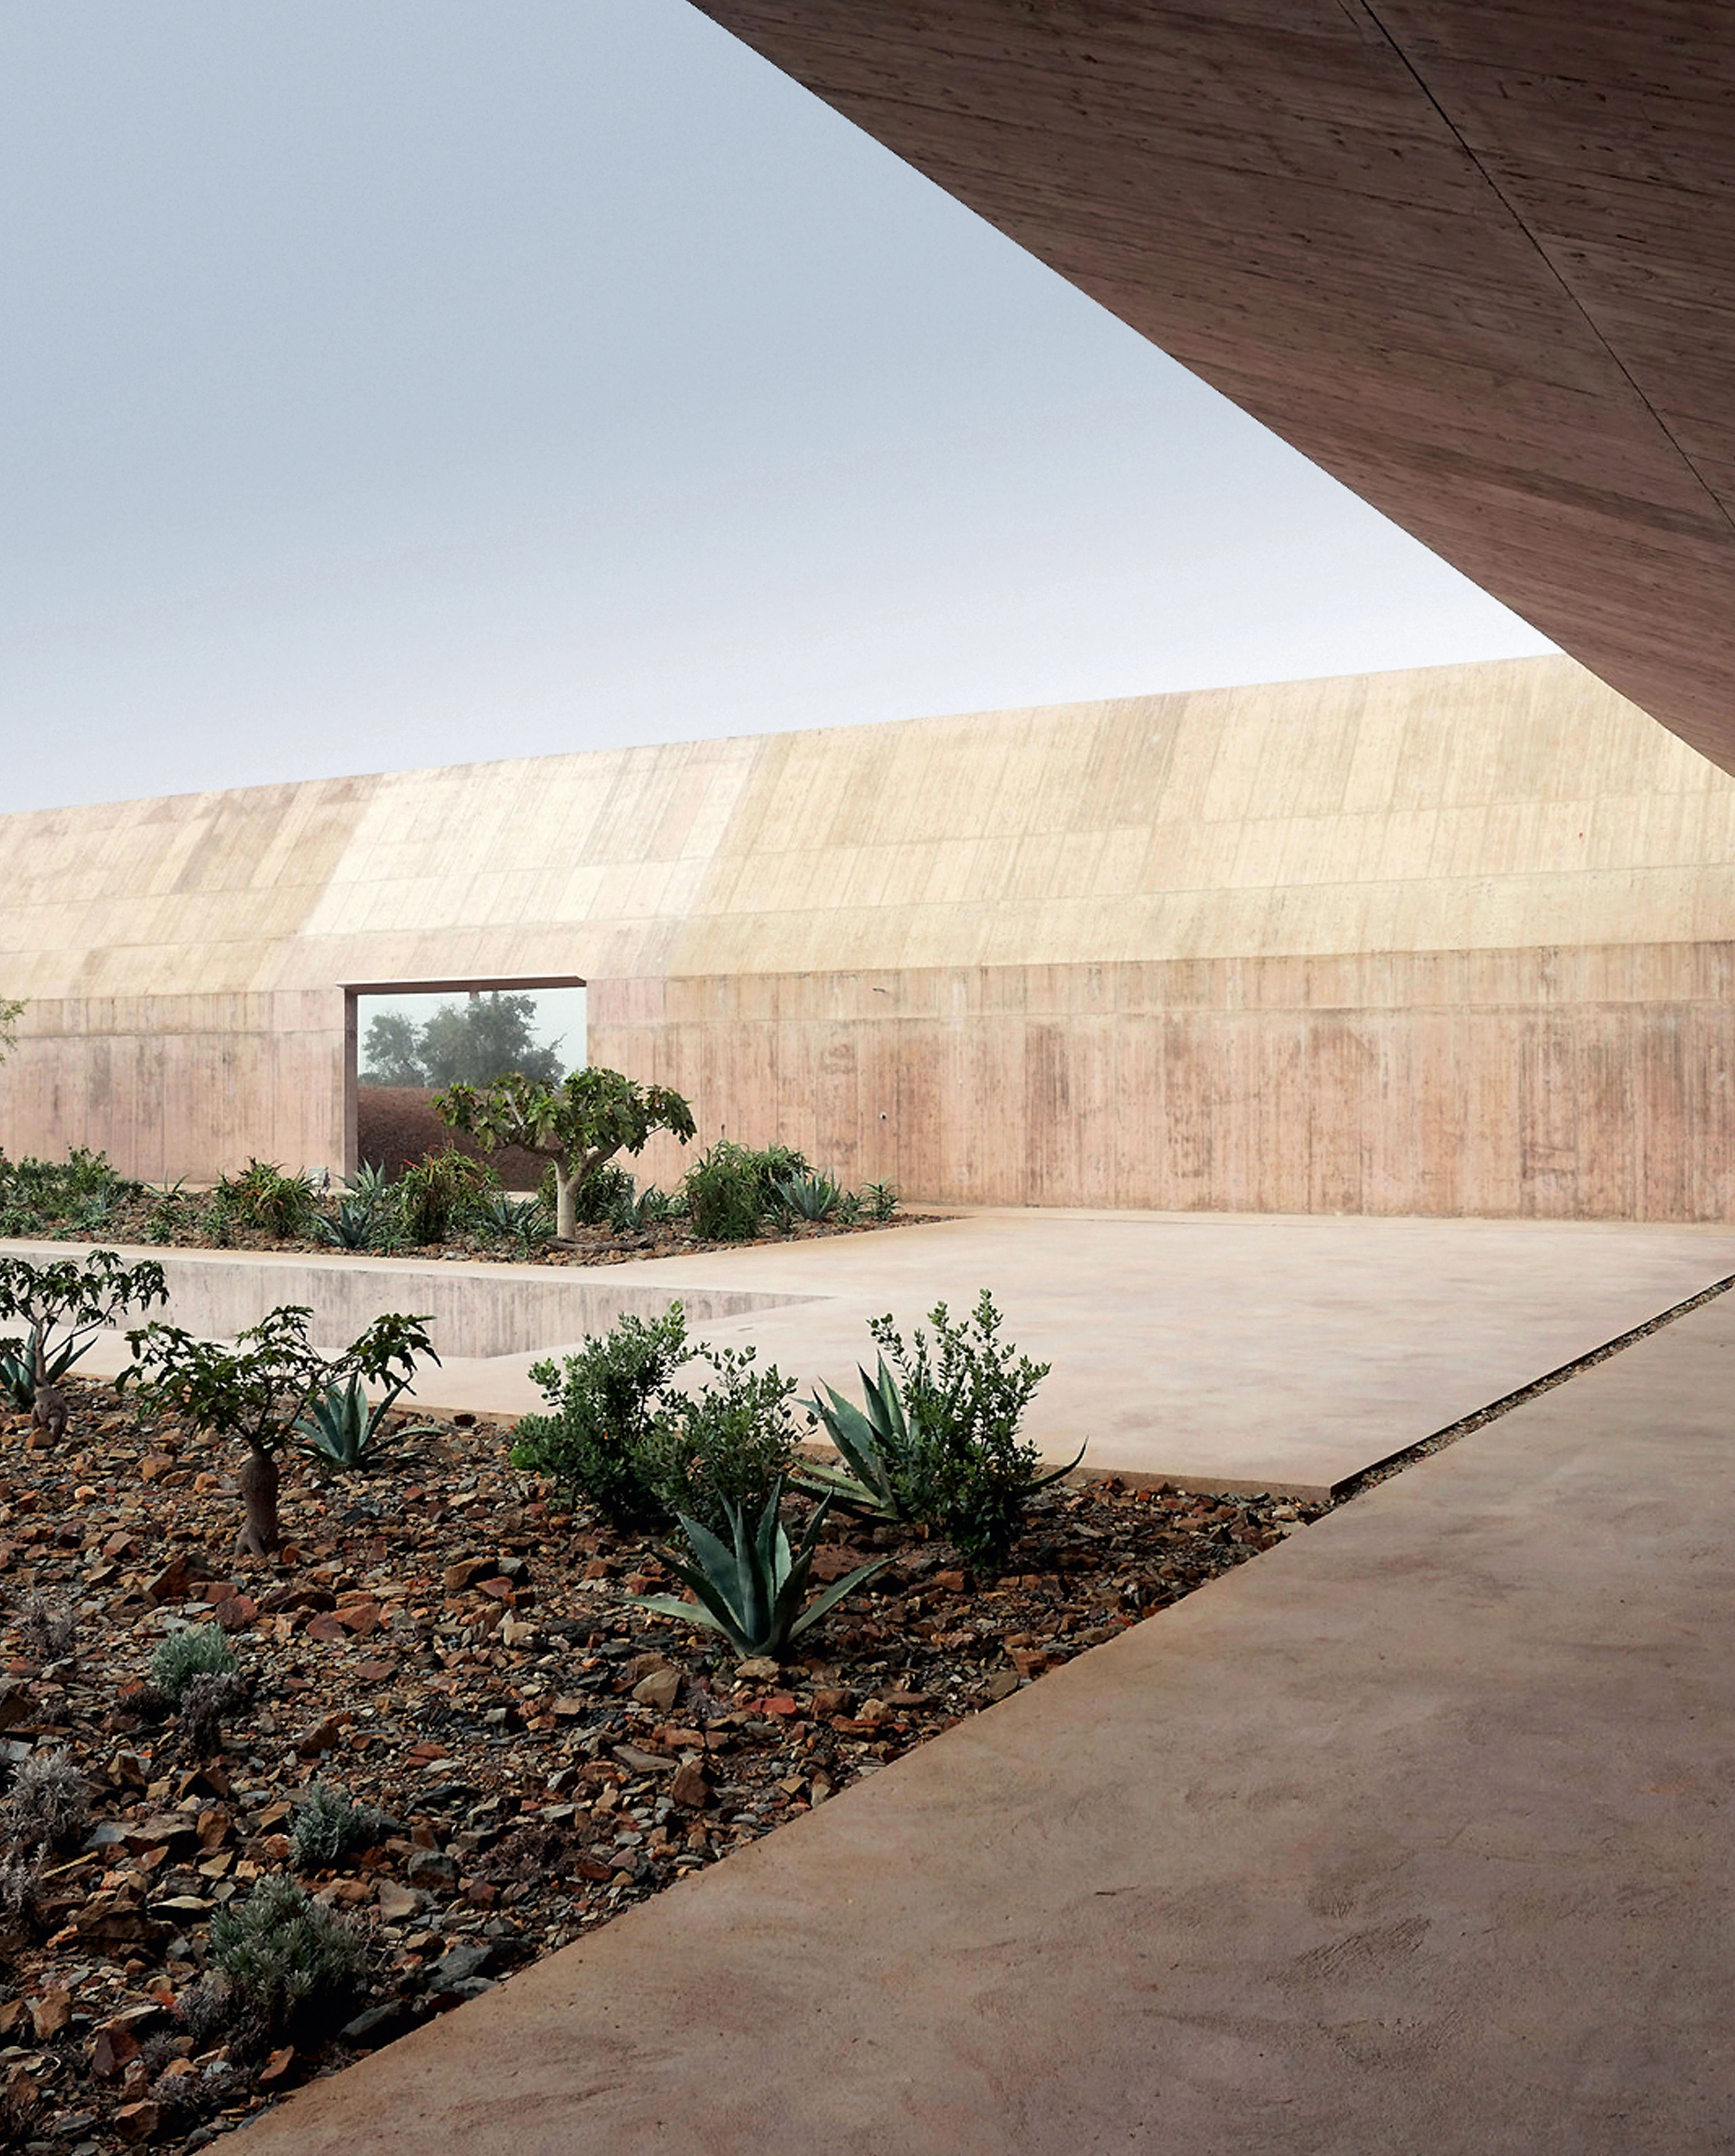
405	1040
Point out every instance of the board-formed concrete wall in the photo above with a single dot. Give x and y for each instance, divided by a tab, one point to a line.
1460	940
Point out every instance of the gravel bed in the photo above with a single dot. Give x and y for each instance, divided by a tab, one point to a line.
447	1643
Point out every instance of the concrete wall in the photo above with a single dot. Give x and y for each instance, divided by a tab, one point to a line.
1453	940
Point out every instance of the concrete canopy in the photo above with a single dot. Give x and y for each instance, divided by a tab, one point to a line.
1477	259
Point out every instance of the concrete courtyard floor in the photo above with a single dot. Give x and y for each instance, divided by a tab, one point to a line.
1410	1835
1237	1352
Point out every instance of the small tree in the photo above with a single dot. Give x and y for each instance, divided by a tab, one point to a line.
65	1304
258	1389
579	1125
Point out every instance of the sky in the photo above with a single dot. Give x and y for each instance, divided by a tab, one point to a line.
413	382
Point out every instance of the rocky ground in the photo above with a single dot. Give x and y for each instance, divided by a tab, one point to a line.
446	1642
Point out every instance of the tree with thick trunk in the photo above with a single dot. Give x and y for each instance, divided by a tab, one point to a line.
256	1390
579	1125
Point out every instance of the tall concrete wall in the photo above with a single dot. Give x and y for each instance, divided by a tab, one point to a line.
1454	941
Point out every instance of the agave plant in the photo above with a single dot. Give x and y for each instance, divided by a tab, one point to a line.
18	1366
341	1430
872	1440
362	1219
810	1197
753	1588
520	1220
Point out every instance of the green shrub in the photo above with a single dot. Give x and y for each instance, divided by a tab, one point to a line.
595	1197
286	1962
725	1192
725	1445
620	1436
437	1190
328	1827
952	1457
881	1200
605	1404
202	1651
262	1197
45	1191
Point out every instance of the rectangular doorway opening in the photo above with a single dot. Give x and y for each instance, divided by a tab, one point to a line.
404	1041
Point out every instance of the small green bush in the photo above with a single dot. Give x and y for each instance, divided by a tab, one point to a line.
328	1827
439	1191
964	1470
725	1192
724	1447
262	1197
285	1961
201	1651
620	1436
604	1404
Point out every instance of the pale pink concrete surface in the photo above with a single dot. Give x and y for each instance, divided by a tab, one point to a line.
1409	1836
1229	1351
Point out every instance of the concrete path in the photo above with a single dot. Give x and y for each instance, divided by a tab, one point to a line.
1410	1836
1222	1351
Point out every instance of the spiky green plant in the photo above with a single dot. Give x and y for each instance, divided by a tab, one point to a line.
753	1588
810	1197
341	1430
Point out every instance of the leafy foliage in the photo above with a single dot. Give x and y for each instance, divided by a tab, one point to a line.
286	1960
200	1652
605	1403
65	1304
579	1125
12	1009
472	1043
936	1439
622	1436
437	1190
881	1200
753	1588
328	1827
725	1445
725	1192
258	1387
262	1196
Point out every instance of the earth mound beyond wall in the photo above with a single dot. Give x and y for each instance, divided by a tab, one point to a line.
1454	941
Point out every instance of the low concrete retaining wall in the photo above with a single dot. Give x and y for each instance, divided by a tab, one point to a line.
478	1309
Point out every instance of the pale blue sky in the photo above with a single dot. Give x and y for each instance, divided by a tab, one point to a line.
386	382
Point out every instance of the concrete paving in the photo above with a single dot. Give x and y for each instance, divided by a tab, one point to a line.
1411	1835
1237	1351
